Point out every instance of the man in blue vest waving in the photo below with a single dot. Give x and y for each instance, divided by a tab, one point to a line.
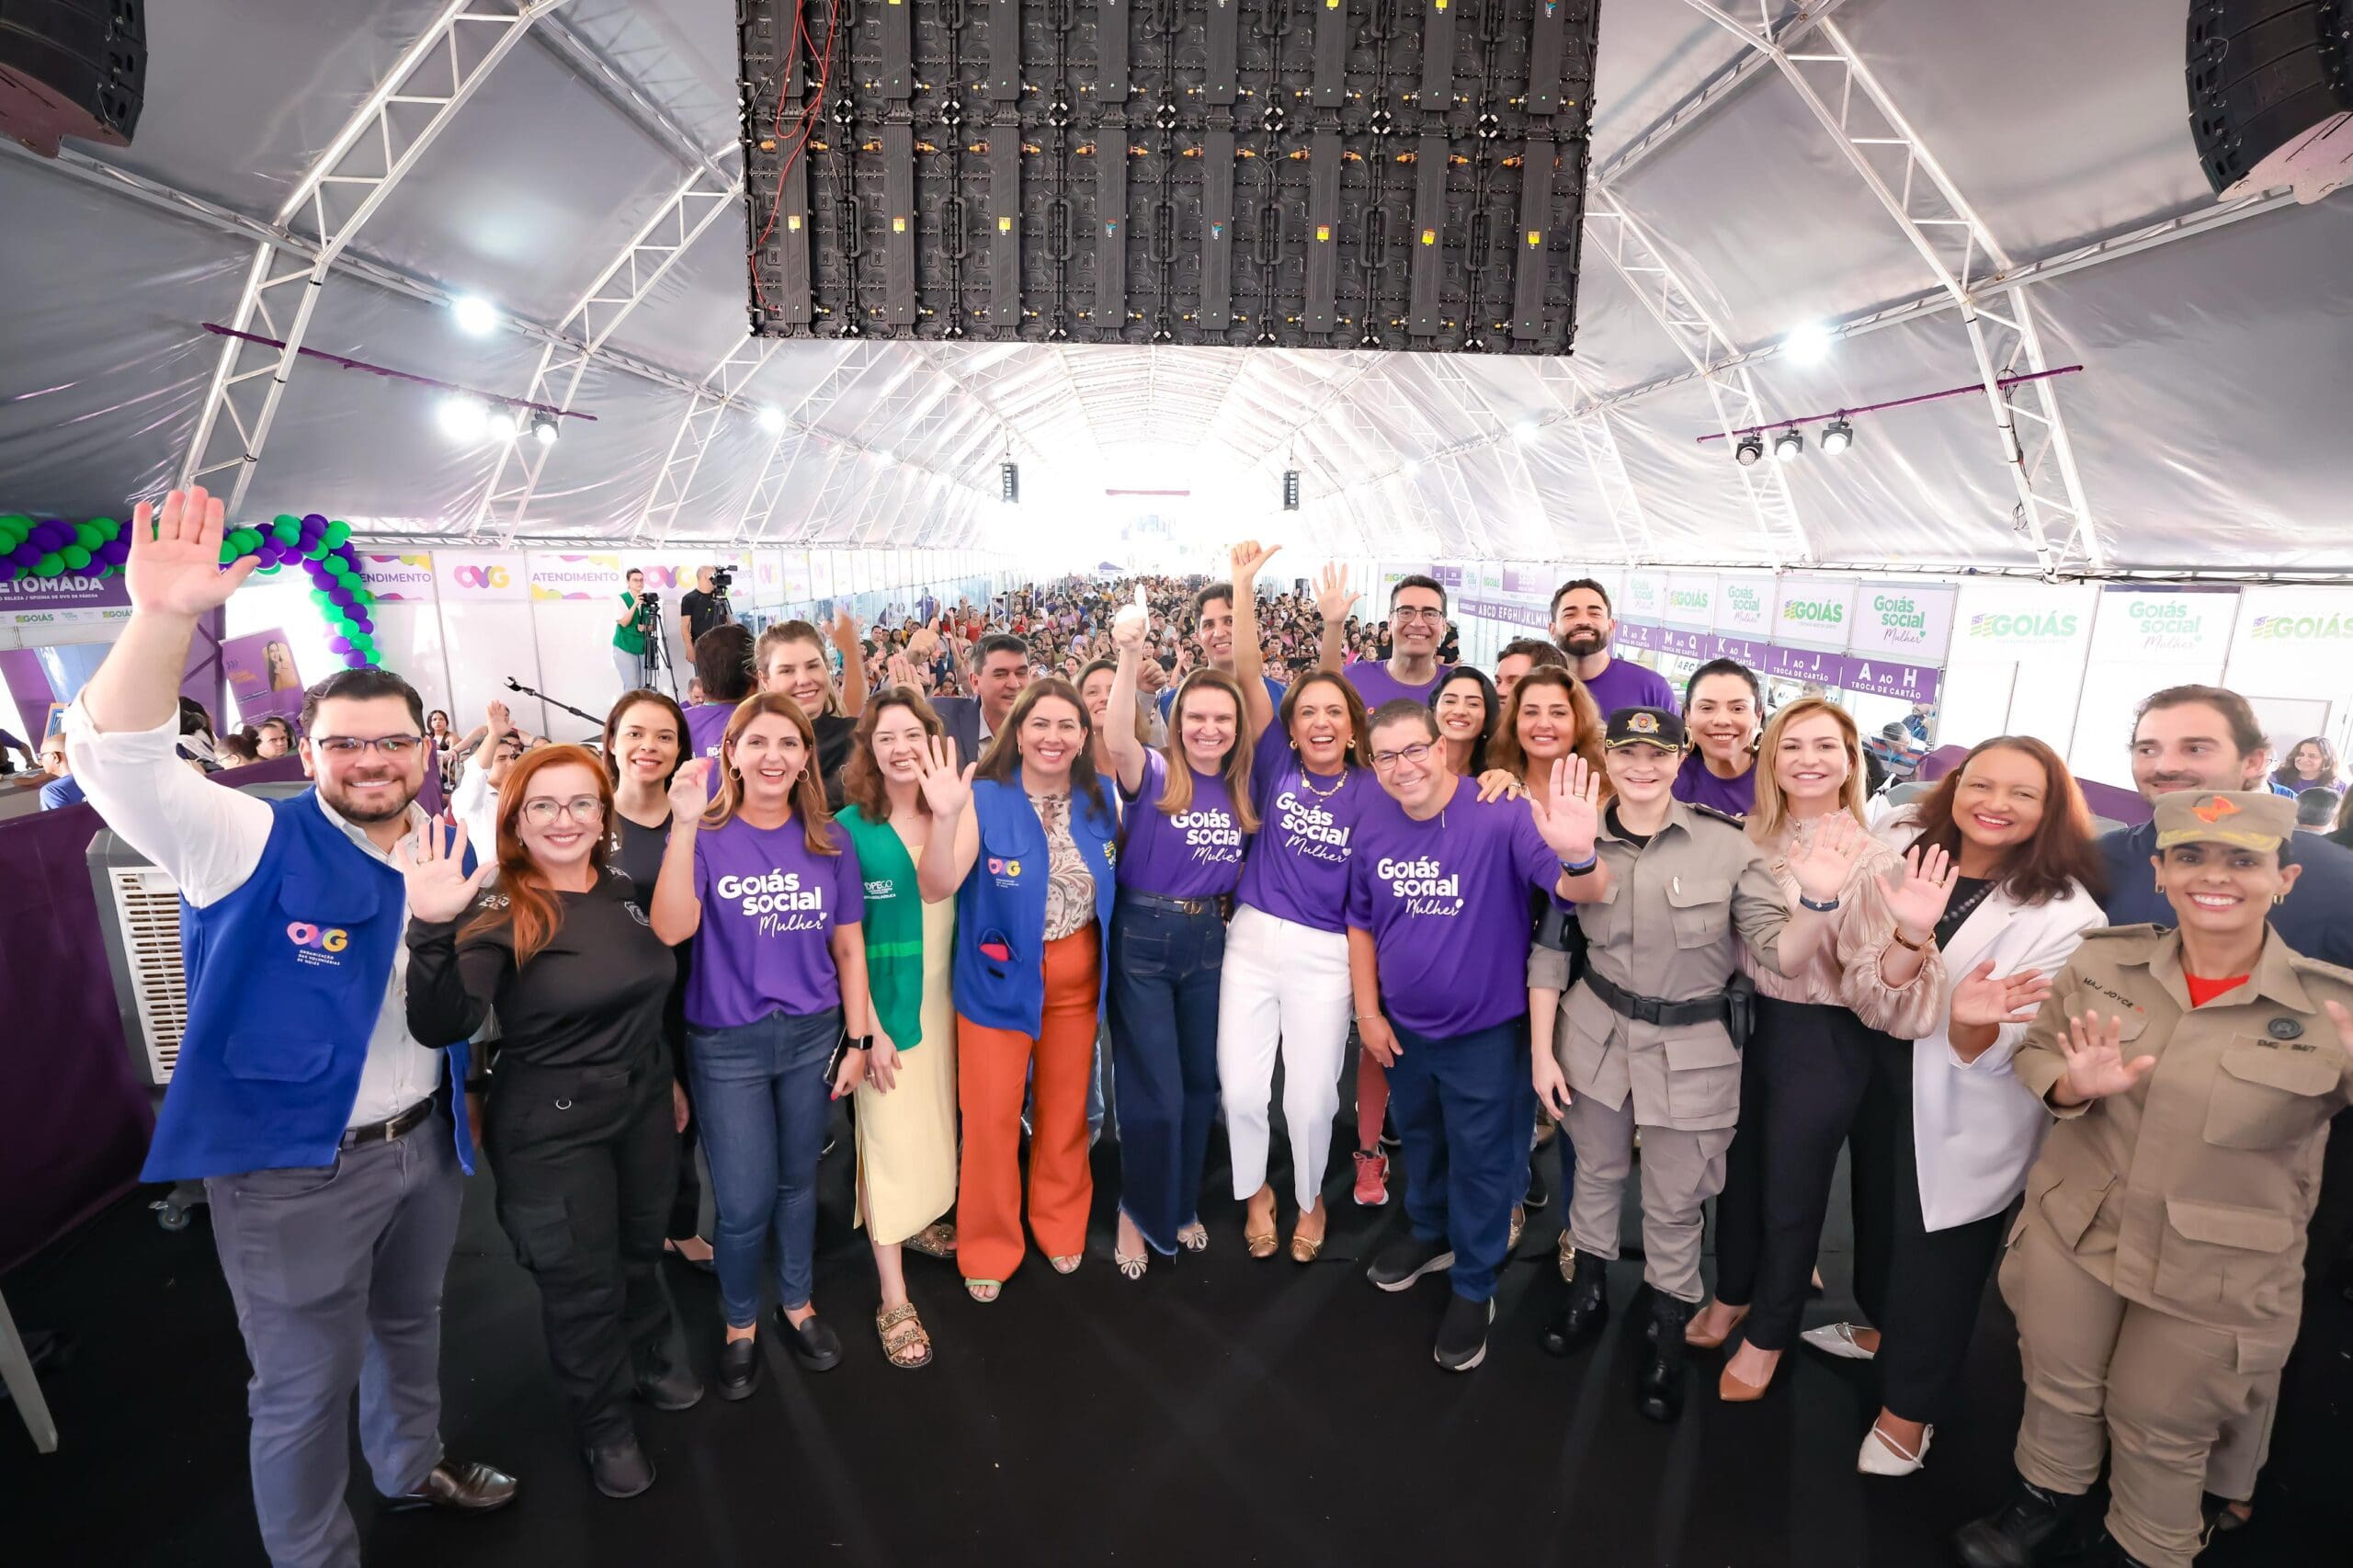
330	1142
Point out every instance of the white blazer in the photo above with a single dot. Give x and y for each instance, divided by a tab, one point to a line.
1975	1129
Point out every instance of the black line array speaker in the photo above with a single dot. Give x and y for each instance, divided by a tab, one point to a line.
72	68
2270	86
1305	174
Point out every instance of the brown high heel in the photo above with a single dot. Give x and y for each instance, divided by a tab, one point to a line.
1696	1340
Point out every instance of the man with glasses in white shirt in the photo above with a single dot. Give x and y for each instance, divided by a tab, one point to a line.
330	1140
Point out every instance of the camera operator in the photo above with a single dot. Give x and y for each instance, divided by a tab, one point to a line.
640	612
704	608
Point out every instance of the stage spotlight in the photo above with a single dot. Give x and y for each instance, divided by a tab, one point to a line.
475	314
1788	444
884	455
1526	429
1837	437
1807	343
1291	490
1748	448
505	422
770	418
543	427
1008	482
1412	468
461	418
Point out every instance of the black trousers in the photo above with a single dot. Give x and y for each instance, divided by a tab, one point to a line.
686	1208
1935	1280
586	1162
1806	1087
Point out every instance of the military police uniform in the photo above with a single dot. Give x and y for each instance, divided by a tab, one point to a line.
2157	1270
1647	1041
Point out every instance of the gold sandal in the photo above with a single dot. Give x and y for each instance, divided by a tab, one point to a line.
906	1345
1519	1225
934	1240
1566	1252
1260	1244
1304	1248
1194	1238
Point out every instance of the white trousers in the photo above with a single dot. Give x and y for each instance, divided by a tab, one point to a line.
1285	987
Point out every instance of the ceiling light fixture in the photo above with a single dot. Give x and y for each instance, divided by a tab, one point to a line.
1807	343
505	422
1838	435
770	418
1748	448
1526	429
1788	445
1008	482
543	428
1291	490
475	314
461	417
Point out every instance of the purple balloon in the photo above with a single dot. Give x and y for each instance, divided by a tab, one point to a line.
339	644
25	554
314	523
339	596
360	623
114	552
355	660
51	534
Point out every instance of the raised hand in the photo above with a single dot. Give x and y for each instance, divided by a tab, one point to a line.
1568	809
1821	860
175	565
1332	593
2095	1056
1248	558
1983	1000
499	722
439	887
899	670
690	789
1129	626
1918	890
945	789
843	629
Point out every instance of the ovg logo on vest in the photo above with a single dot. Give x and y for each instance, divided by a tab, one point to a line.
317	944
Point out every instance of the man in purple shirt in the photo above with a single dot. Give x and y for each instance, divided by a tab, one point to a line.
1583	625
1438	882
1416	626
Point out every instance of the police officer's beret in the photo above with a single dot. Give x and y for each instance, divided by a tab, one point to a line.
1644	727
2250	819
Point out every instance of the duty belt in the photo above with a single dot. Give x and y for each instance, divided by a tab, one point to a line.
1715	1009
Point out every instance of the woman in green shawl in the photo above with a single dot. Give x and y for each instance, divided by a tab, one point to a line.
906	1106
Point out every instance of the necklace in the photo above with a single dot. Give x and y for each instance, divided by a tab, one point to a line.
1307	782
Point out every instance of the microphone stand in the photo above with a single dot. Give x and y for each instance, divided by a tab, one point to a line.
516	686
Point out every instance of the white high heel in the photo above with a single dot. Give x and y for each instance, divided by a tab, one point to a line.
1837	1339
1880	1456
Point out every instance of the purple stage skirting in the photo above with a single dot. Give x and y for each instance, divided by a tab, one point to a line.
75	1119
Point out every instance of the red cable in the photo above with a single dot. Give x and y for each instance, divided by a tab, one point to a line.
810	114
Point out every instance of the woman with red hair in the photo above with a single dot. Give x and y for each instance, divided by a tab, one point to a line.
582	1107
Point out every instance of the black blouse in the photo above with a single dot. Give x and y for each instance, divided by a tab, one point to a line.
592	997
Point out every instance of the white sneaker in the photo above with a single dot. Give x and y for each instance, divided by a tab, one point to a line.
1837	1339
1880	1456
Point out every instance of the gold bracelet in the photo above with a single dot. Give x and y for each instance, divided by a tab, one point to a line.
1903	940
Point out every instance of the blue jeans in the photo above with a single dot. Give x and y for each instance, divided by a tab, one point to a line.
1164	966
761	1095
1463	1109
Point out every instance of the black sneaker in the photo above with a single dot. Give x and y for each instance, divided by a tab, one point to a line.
620	1470
739	1368
1538	1194
1463	1333
2013	1535
1406	1259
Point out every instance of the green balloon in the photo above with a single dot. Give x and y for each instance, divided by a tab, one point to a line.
268	571
48	565
228	551
318	595
336	533
13	526
87	537
286	530
106	571
109	530
316	552
75	556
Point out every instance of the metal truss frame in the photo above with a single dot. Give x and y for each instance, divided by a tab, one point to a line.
339	193
693	438
625	283
1898	170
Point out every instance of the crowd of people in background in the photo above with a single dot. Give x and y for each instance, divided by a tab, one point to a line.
1095	858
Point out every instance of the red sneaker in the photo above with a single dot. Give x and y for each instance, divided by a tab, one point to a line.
1372	1179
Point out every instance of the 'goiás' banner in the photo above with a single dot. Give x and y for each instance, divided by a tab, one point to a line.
1814	612
1744	620
1908	622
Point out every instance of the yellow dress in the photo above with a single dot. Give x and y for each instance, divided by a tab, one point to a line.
906	1139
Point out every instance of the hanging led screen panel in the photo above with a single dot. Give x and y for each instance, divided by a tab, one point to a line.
1299	173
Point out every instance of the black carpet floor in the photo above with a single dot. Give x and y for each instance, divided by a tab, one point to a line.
1220	1411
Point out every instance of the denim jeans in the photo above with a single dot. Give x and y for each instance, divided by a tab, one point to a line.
761	1095
1165	973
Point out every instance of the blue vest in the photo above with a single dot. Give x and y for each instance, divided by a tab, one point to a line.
1003	903
285	978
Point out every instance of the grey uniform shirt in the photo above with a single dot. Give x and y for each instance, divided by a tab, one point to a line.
1667	929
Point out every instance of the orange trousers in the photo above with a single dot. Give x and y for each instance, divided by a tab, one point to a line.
992	1069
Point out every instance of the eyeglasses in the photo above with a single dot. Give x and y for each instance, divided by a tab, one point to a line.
395	747
1385	760
1417	612
541	812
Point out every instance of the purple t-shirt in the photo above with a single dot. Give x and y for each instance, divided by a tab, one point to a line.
768	911
1376	684
1298	868
1446	903
1195	854
1626	683
1695	784
706	724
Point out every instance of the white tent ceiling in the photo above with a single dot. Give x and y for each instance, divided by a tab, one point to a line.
2207	427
